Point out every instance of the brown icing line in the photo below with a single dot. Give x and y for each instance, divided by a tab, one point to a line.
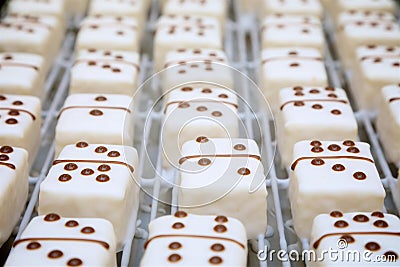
20	110
284	24
58	161
316	243
257	157
192	60
23	240
291	58
195	236
394	99
380	56
9	165
16	64
136	66
93	107
293	166
99	25
314	100
199	101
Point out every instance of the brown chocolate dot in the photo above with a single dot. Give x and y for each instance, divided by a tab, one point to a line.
336	112
378	214
186	89
377	60
206	91
391	256
215	260
64	178
55	254
294	65
119	57
33	245
316	143
184	105
299	94
202	139
87	230
223	96
87	172
317	106
201	108
100	149
217	247
360	218
96	112
221	219
52	217
298	103
332	96
92	63
348	238
102	178
239	147
175	245
113	154
396	64
353	150
390	49
336	214
82	144
182	71
13	112
4	157
298	88
372	246
338	167
194	66
216	113
8	57
204	162
174	258
70	167
180	214
341	224
11	121
292	53
75	262
244	171
101	98
116	70
104	168
317	149
107	53
71	223
330	88
334	147
314	91
381	224
349	143
359	176
317	162
106	66
6	149
220	228
17	103
92	50
178	225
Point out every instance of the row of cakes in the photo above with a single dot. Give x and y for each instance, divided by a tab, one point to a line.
89	199
316	136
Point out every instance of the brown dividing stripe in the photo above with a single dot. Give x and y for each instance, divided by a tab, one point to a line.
136	66
314	100
9	165
195	236
21	110
316	243
18	65
183	159
284	24
199	101
58	161
394	99
93	107
192	60
23	240
293	166
380	56
291	58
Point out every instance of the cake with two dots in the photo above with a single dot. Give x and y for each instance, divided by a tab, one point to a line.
52	240
326	176
216	240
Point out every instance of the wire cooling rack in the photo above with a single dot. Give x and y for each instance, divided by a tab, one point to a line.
242	46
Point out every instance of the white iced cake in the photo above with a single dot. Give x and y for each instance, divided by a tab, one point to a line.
327	176
21	119
293	7
192	240
284	67
109	32
352	34
374	68
292	30
313	113
56	8
213	8
13	188
185	66
94	181
22	74
185	32
96	119
388	122
32	34
369	238
192	112
52	240
105	72
224	176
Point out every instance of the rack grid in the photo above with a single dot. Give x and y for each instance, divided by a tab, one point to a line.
242	46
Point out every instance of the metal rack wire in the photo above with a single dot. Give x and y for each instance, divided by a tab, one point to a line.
243	49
